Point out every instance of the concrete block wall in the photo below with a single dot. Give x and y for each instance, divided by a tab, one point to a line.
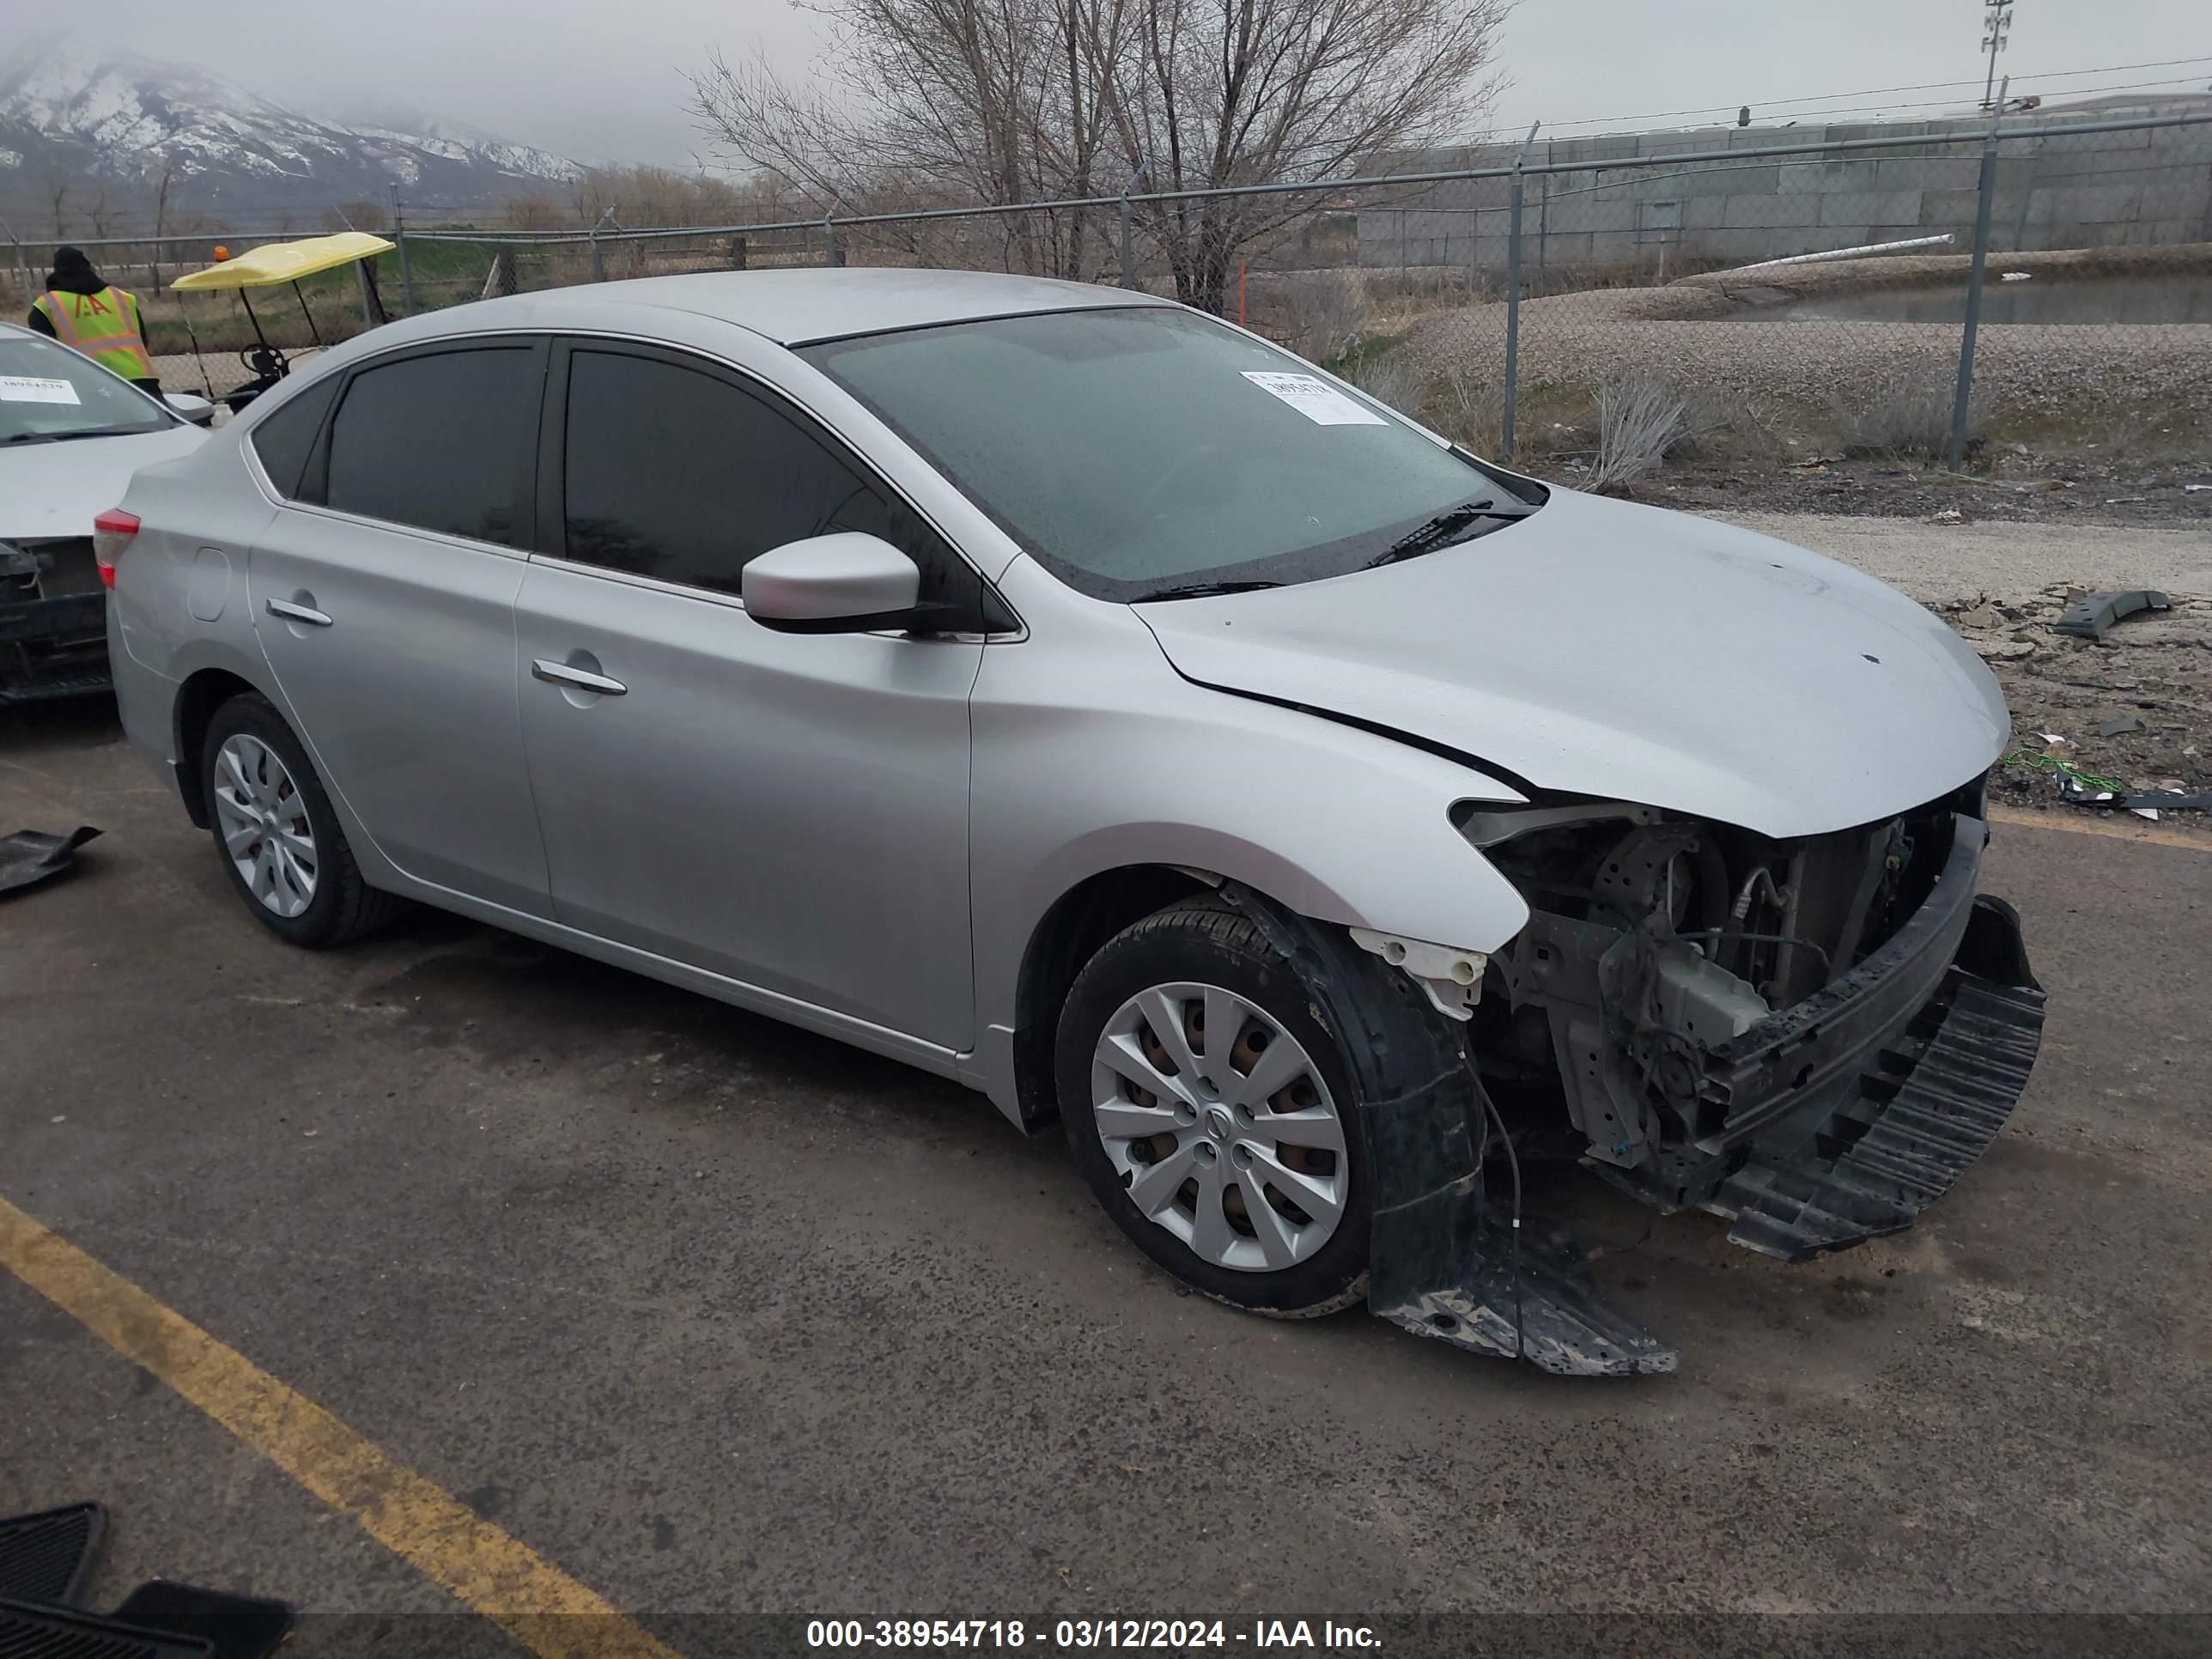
2097	190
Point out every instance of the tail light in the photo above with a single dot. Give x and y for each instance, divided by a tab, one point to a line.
111	533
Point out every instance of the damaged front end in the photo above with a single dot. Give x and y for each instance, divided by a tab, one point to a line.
53	620
1813	1037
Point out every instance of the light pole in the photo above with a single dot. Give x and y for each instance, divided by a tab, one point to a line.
1999	14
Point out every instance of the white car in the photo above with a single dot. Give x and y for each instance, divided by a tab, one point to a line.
71	434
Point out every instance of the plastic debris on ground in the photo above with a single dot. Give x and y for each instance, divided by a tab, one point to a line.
2077	789
46	1564
2091	615
31	856
2066	774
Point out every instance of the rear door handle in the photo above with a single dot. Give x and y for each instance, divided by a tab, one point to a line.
298	613
559	673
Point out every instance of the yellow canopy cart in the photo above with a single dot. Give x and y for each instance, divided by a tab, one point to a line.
272	265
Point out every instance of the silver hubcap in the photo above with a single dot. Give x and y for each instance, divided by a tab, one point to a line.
264	824
1219	1127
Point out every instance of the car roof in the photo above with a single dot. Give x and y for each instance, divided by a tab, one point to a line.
793	306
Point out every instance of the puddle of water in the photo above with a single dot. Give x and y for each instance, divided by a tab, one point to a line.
2039	300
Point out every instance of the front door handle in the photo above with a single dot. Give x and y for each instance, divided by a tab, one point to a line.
298	613
559	673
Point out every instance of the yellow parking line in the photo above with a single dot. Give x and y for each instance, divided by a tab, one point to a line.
489	1571
2119	826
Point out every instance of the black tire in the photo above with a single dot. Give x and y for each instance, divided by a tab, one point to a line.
344	905
1203	942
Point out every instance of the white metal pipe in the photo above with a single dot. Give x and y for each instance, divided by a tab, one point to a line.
1866	251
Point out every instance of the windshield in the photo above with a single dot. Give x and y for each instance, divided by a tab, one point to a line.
48	392
1142	451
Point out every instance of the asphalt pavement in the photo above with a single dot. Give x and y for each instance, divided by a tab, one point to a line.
722	1318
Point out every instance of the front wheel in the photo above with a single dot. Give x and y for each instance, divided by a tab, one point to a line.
1213	1115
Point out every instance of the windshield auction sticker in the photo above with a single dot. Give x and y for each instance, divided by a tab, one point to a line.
24	389
1315	399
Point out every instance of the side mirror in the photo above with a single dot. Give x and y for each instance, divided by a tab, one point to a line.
198	411
848	583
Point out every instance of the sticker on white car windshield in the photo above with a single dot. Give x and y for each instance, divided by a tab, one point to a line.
24	389
1316	398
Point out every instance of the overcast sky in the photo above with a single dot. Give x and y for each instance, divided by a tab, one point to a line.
602	80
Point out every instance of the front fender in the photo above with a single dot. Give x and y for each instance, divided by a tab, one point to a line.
1098	757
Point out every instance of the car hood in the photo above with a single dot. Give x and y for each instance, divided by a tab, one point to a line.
56	490
1603	648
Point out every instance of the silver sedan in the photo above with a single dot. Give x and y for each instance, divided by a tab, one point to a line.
1075	695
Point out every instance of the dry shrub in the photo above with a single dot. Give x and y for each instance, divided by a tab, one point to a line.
1323	311
1905	418
1640	418
1389	379
1472	410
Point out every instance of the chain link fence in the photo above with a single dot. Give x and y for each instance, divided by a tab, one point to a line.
2048	292
1589	310
199	341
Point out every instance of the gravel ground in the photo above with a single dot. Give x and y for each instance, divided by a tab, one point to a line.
2135	707
2075	494
2082	389
2009	561
1582	338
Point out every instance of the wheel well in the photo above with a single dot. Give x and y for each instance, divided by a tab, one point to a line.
196	701
1080	921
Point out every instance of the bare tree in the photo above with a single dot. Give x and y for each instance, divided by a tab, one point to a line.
945	102
650	196
535	209
375	217
57	191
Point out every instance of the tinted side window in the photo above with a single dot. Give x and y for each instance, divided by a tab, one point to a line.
683	476
286	439
439	442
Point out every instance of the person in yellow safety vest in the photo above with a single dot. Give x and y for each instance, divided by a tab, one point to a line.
83	311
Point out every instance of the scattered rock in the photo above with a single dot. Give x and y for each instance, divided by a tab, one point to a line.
2118	724
1949	515
2002	650
1982	616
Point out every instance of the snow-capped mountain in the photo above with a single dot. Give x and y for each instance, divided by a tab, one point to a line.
112	123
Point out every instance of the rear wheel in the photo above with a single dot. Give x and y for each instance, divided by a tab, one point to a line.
1213	1115
278	839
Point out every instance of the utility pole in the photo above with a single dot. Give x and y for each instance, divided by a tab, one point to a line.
1999	15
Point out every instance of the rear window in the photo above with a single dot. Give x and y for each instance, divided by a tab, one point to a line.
284	440
440	442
